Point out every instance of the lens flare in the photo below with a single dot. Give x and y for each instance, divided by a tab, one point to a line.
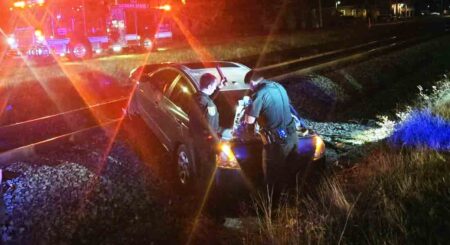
320	147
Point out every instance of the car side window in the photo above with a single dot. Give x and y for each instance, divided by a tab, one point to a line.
162	80
182	94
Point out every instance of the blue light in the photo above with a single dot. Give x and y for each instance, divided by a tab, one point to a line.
423	129
240	152
9	107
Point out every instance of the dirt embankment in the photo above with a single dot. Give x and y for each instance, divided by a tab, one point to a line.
378	86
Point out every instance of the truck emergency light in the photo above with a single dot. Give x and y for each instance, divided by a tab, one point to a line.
20	4
165	7
39	35
11	41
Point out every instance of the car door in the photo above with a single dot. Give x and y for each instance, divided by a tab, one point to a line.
180	97
152	100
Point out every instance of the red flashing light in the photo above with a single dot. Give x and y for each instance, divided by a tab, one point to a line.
38	33
20	4
165	7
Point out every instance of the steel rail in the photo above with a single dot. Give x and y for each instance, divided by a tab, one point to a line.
304	63
324	54
34	120
29	149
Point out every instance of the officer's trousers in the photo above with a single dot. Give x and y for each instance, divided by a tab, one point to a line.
275	165
204	156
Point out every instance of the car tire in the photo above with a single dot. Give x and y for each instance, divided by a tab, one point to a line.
148	45
185	168
80	50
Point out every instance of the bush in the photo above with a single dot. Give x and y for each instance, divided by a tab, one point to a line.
423	129
443	110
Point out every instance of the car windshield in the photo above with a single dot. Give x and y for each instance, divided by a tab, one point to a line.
226	102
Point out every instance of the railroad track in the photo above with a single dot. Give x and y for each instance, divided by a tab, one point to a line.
342	57
23	139
44	132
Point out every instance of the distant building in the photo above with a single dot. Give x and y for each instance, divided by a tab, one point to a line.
402	9
353	10
358	8
376	10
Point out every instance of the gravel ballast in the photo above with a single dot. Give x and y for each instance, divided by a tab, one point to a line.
55	201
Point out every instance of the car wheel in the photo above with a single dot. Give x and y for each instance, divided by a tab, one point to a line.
148	45
185	167
80	50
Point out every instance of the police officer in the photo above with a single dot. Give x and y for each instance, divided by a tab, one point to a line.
204	120
270	107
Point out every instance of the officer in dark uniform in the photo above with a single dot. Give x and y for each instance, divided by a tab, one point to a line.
204	120
270	107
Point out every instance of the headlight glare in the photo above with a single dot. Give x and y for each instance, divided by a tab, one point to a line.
225	158
11	41
319	147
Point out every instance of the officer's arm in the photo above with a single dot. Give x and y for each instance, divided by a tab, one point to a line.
254	109
215	94
251	113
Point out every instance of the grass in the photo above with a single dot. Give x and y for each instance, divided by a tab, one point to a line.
393	197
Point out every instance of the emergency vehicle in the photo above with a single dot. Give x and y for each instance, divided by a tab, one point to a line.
79	29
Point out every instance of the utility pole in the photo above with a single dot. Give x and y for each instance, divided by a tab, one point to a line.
320	14
84	18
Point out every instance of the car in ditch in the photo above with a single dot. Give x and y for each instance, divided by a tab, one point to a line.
161	98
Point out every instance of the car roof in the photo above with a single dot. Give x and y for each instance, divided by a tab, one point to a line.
234	72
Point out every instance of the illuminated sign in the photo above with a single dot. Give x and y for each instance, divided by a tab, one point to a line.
133	5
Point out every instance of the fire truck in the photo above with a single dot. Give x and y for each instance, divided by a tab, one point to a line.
79	29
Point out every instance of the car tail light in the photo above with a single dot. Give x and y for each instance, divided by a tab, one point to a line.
319	147
225	157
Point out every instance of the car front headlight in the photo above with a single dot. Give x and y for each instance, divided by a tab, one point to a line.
117	48
11	40
225	157
319	147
